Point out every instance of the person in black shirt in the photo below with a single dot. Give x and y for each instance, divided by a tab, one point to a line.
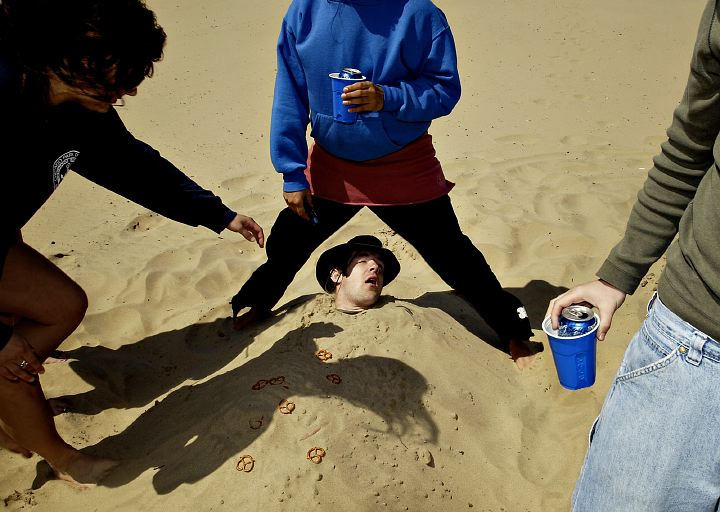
63	63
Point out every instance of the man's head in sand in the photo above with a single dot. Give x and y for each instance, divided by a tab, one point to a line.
356	272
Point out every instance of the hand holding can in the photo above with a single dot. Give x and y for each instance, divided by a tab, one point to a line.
339	81
574	346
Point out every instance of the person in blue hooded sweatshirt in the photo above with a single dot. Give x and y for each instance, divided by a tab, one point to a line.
384	160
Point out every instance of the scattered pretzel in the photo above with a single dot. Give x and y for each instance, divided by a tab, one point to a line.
274	381
259	384
256	424
323	354
334	378
286	407
246	464
315	455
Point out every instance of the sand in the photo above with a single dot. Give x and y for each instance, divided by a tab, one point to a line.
563	106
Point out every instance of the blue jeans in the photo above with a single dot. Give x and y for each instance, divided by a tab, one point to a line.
656	444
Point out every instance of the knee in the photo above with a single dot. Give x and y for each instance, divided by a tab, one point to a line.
71	308
78	305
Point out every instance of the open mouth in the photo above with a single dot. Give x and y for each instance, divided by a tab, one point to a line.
372	280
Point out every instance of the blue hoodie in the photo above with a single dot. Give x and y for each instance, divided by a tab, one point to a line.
405	46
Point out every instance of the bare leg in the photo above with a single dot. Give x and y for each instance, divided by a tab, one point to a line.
9	443
50	306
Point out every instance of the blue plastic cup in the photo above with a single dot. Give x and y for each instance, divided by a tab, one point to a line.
574	356
340	111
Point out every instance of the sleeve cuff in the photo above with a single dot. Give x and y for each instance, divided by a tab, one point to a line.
610	273
223	221
295	181
392	98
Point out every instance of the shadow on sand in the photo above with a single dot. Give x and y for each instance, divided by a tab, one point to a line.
197	428
535	295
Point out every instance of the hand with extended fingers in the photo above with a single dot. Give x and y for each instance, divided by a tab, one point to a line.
248	228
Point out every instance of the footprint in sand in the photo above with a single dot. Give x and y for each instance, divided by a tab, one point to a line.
520	138
239	183
144	222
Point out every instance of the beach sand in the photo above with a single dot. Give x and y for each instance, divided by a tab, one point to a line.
563	107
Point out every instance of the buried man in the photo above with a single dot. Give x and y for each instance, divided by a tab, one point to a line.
356	272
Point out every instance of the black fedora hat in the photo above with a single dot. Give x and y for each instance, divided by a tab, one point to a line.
339	256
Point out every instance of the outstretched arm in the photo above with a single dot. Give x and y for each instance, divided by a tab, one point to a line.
116	160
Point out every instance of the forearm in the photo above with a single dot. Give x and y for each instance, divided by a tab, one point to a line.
140	174
432	94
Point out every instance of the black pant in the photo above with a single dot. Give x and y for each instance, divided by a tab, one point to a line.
431	227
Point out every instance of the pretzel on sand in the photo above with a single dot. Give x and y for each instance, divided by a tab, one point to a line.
315	455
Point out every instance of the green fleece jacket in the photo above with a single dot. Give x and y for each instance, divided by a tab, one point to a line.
682	196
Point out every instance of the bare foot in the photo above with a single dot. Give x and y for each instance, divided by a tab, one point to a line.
9	443
250	318
84	470
523	353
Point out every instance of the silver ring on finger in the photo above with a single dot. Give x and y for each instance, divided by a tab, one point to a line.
23	364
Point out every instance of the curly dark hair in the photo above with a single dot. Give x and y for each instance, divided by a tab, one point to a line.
105	45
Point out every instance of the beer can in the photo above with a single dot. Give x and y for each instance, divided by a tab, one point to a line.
350	73
576	320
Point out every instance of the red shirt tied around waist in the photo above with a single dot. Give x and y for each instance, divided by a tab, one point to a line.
408	176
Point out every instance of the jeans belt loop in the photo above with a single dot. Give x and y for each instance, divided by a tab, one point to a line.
697	344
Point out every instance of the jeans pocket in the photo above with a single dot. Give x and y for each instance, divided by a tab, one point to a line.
645	356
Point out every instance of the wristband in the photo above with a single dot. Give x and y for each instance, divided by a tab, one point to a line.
5	334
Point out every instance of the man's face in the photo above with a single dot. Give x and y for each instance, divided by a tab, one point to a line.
362	285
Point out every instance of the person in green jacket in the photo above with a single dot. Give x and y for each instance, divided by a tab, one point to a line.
655	444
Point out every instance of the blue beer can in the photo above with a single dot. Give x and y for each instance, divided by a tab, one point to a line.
576	320
350	73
